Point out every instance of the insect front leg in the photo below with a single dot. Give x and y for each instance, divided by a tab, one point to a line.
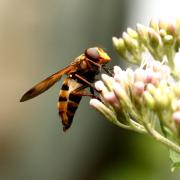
108	70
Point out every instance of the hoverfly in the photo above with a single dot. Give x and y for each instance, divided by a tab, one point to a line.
80	75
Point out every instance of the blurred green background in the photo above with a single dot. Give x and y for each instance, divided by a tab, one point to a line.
39	37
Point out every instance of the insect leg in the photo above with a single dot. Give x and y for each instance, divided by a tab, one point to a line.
96	64
108	70
91	90
86	82
79	92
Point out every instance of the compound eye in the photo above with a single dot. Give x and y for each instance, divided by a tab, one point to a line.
92	53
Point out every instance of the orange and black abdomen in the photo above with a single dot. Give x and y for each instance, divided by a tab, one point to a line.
68	101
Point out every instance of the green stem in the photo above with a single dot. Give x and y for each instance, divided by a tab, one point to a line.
136	126
161	138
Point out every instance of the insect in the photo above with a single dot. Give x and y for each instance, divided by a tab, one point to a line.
81	74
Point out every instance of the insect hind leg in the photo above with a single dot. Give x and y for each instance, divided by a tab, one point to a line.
79	92
87	83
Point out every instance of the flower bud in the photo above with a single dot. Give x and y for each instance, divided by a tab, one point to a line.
102	108
130	75
171	29
117	70
156	77
149	76
154	38
151	88
139	74
99	85
163	24
154	24
149	100
168	39
176	89
178	26
176	62
161	99
175	105
115	41
122	79
132	33
156	66
176	117
111	99
177	44
162	33
138	88
108	81
142	32
121	93
131	43
119	45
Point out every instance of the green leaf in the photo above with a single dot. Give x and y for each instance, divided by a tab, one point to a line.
175	158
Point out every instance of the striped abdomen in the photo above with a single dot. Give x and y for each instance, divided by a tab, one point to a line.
68	101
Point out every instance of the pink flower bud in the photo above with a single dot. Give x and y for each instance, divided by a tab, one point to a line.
138	88
99	85
156	66
149	76
156	77
111	99
176	117
139	75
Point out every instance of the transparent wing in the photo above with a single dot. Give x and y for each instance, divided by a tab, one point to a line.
45	84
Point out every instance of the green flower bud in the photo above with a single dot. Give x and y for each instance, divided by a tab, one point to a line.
168	39
161	99
119	45
163	85
121	94
131	43
142	32
108	81
102	109
154	24
177	44
130	75
163	24
176	89
178	26
162	32
151	88
149	100
175	105
132	33
154	38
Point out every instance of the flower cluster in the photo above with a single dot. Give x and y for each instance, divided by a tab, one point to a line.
161	39
141	96
145	99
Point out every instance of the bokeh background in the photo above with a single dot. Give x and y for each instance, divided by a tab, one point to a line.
39	37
